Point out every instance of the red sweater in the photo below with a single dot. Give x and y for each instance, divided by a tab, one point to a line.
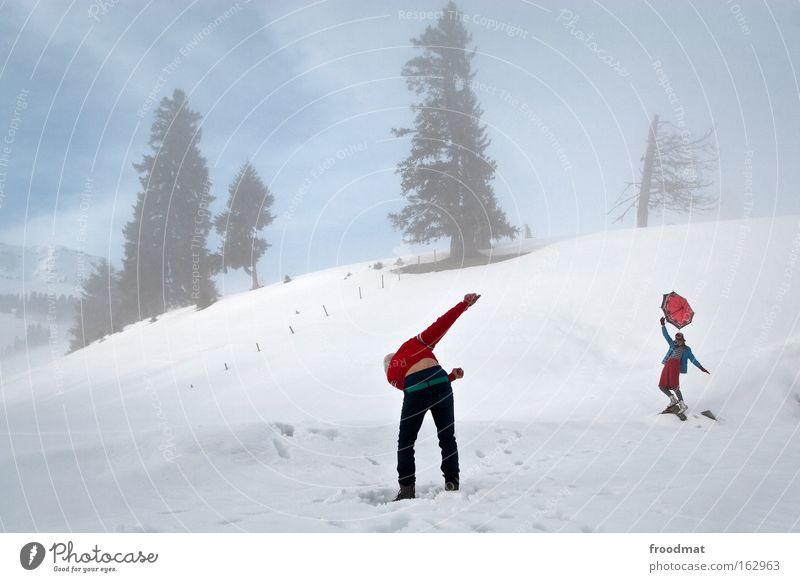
421	346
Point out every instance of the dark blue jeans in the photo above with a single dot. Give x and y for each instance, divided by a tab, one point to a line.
439	400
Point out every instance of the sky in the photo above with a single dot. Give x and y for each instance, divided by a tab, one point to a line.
309	93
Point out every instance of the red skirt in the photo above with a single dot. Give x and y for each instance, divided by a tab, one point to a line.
671	375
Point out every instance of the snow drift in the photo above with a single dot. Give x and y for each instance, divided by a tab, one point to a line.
184	425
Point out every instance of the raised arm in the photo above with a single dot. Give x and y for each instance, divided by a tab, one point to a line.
431	336
665	333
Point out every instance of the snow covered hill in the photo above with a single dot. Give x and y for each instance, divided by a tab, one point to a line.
183	424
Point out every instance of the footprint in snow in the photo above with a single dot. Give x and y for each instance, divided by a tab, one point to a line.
328	433
283	452
345	467
284	428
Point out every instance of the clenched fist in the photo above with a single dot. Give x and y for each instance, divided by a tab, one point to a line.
471	298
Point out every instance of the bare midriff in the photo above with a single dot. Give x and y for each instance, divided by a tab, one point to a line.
423	364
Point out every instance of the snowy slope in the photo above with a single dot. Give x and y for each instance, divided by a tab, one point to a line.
556	414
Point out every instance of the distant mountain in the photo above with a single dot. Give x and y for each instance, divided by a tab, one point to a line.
43	269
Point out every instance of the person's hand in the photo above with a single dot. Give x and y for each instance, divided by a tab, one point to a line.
662	320
457	373
471	298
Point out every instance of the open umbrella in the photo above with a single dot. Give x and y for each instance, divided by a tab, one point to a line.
676	310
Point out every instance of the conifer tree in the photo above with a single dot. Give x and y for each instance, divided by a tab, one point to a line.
447	178
166	261
247	212
94	312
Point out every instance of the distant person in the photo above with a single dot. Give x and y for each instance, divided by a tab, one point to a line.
675	365
426	386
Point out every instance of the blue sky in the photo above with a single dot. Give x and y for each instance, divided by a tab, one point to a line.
310	90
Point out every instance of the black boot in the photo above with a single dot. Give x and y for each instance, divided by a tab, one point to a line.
451	483
406	492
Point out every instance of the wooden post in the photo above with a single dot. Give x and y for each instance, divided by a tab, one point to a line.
325	310
359	293
226	365
291	330
382	281
258	347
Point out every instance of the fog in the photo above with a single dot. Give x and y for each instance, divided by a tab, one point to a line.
309	94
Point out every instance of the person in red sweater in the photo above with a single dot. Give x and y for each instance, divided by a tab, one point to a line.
426	386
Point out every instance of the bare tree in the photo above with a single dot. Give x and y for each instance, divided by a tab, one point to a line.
672	174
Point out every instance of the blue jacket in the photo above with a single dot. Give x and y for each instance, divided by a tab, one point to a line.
687	352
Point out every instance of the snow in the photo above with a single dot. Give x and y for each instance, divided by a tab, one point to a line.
557	418
52	269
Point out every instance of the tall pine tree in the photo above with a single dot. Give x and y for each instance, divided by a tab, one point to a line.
247	212
447	178
166	261
94	315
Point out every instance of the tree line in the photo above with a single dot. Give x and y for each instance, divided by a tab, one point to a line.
446	181
37	302
167	262
36	334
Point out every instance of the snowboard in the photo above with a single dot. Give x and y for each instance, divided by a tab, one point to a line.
709	414
674	410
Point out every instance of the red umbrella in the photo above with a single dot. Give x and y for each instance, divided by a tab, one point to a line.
676	310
